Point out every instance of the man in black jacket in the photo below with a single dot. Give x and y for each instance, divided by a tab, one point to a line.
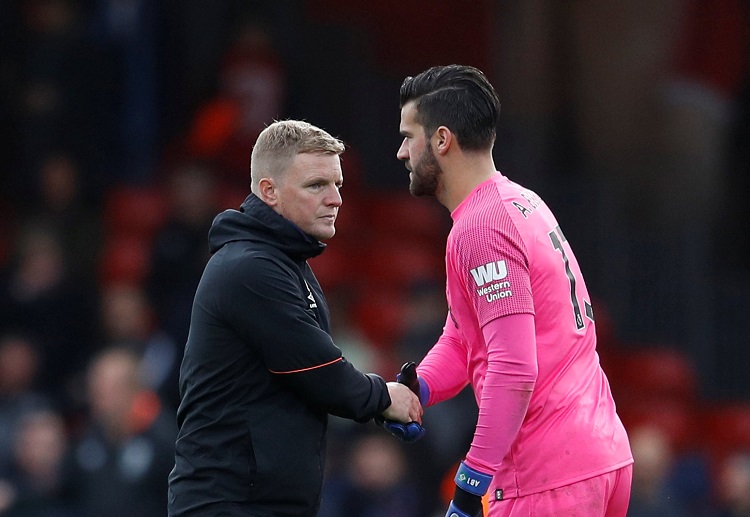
260	373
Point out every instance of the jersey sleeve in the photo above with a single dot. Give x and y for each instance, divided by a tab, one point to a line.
445	366
490	256
509	383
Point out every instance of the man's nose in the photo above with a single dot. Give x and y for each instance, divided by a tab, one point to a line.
334	197
402	154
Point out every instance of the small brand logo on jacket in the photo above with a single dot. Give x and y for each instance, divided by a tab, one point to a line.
313	303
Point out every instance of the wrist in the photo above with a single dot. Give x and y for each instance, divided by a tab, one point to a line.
424	392
471	480
471	485
455	511
465	504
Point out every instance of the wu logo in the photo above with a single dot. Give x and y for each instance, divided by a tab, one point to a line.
489	272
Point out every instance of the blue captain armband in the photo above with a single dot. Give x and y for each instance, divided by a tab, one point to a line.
472	481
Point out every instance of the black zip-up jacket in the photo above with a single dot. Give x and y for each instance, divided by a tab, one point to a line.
260	375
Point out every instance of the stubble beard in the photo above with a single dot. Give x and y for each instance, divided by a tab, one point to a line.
425	174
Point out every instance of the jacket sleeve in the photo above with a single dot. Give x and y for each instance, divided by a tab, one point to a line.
270	311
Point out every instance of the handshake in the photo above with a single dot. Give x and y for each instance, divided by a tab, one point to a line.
403	418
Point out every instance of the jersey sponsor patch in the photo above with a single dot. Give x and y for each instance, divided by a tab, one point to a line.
490	279
489	272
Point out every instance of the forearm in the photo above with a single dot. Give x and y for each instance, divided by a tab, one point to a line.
342	390
508	385
506	391
445	367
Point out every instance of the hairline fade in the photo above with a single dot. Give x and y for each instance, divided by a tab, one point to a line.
459	97
281	141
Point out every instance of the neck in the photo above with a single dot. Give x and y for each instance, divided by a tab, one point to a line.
461	177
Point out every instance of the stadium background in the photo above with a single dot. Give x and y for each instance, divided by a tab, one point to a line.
127	124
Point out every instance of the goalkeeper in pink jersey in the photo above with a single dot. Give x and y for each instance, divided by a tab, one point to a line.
520	326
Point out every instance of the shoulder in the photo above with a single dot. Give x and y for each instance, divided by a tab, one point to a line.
240	265
492	221
486	213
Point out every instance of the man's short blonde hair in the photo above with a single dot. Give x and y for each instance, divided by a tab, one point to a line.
281	141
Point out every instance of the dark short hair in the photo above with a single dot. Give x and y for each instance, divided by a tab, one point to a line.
456	96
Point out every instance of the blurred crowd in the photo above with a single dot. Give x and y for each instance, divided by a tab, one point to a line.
126	127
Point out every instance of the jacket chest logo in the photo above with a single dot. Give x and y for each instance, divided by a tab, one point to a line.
310	297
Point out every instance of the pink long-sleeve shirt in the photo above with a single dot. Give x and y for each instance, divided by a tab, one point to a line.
520	330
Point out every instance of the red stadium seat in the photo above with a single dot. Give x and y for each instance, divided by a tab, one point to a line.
678	419
727	428
400	262
134	211
124	260
403	216
379	313
229	197
653	373
334	268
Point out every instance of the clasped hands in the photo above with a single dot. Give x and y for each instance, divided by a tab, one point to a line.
403	418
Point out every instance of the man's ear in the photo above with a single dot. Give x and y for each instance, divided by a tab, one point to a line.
268	191
443	139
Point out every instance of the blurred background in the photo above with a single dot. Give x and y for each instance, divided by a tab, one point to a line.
127	125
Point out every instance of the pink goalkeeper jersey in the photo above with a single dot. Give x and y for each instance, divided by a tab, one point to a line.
506	255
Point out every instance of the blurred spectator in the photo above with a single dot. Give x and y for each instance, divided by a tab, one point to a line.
10	36
188	65
61	202
733	486
251	95
63	89
19	365
710	53
128	320
180	249
654	459
40	297
450	425
35	481
734	242
119	466
374	482
353	343
699	108
127	29
425	317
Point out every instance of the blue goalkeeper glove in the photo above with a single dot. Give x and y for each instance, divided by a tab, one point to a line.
412	431
408	433
471	485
